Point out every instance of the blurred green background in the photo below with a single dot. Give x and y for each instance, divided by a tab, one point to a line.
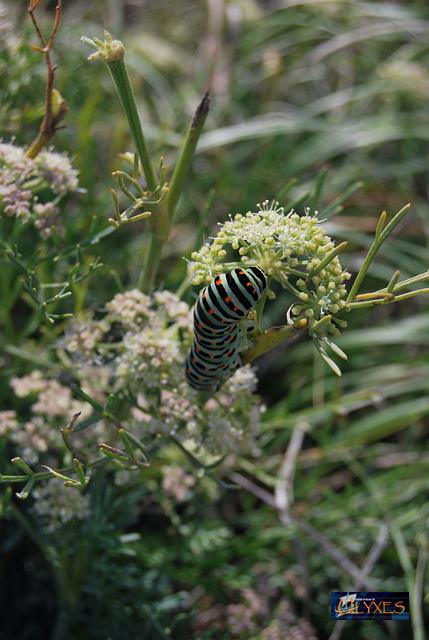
300	90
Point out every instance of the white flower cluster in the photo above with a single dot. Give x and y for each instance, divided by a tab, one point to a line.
57	504
52	407
144	341
177	483
131	308
38	440
47	217
137	350
21	179
57	172
84	334
290	249
8	422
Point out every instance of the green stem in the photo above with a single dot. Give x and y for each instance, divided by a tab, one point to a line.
151	262
409	573
160	226
37	145
183	164
410	294
121	79
112	52
44	475
387	300
270	339
363	305
380	236
406	283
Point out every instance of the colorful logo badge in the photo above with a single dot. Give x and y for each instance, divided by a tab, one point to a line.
370	605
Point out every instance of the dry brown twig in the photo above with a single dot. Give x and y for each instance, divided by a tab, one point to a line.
55	105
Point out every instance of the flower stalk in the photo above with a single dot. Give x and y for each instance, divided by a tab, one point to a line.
272	338
121	79
184	161
381	234
112	52
161	223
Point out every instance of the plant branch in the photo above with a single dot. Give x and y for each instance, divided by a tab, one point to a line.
112	52
55	105
44	475
270	339
183	163
121	80
381	234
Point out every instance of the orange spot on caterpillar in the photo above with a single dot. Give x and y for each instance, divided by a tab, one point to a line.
241	272
212	312
228	299
218	282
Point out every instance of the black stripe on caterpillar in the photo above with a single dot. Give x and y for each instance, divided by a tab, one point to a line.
218	311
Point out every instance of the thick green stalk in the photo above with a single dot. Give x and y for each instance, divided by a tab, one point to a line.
121	79
270	339
184	161
152	259
160	223
165	213
112	52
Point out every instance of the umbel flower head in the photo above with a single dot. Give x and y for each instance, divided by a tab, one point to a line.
143	342
56	505
23	182
292	249
108	50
